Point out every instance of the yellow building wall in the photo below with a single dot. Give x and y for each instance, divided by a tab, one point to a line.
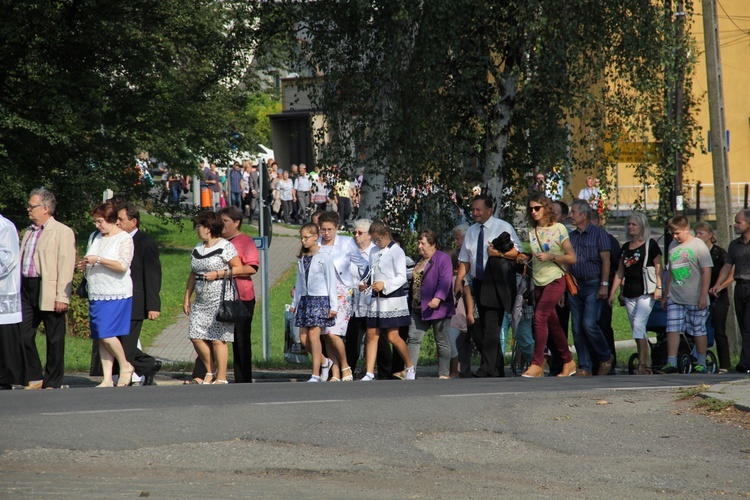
734	40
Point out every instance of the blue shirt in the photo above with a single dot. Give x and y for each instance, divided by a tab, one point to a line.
235	178
587	244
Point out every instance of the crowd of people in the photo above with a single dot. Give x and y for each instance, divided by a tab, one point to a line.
467	293
363	298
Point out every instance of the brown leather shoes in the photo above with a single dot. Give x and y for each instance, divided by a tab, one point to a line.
582	373
534	371
606	366
34	385
568	369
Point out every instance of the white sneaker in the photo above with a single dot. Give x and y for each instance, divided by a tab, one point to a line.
411	373
324	369
368	377
314	378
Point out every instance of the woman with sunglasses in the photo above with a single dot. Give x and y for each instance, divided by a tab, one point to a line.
551	249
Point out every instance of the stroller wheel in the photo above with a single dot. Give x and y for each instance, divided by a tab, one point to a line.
684	362
711	365
633	363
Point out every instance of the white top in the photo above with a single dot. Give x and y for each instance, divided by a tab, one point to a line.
10	274
320	282
344	253
389	266
493	228
360	299
285	189
103	282
303	183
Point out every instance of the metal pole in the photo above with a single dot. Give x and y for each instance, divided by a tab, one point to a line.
266	306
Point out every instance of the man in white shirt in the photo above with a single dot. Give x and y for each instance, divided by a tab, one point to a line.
473	257
302	187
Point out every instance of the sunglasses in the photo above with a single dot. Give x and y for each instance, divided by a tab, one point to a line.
536	208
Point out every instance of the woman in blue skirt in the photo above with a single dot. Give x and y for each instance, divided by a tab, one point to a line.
389	307
315	302
107	268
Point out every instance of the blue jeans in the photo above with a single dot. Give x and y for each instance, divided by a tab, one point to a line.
585	309
237	200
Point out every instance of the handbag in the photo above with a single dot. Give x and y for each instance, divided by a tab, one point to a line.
83	289
231	310
571	284
649	274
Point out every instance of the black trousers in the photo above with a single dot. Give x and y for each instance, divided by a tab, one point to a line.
742	310
242	347
354	331
12	358
54	329
142	362
492	362
389	361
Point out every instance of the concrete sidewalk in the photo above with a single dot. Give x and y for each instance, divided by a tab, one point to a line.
172	345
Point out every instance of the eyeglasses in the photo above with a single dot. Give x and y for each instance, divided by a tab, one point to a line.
360	233
99	222
32	207
536	208
377	240
305	238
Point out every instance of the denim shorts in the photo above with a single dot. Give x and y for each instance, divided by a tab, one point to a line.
688	319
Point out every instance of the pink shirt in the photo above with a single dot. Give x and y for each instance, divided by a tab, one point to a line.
249	256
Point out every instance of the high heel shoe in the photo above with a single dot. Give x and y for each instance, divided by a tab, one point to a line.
210	381
126	377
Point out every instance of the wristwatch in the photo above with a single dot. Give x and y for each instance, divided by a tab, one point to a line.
604	283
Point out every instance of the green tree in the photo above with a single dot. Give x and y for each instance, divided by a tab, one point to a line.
86	84
470	91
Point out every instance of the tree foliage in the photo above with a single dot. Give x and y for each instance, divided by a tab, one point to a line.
86	84
473	91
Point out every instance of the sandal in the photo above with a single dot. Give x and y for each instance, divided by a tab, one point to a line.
192	381
347	378
206	381
335	379
126	377
400	375
219	382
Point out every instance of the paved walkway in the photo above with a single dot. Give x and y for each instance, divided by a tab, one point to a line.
172	345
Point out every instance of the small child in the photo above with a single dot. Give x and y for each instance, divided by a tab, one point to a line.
315	301
686	293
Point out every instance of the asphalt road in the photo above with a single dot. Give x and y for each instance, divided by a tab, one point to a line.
585	437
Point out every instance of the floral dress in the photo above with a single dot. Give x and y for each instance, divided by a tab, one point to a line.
203	323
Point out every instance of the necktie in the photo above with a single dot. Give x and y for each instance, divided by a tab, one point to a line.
480	254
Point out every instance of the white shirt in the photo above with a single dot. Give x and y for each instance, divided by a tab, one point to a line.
493	228
344	253
303	183
320	282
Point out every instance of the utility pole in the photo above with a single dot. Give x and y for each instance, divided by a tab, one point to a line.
719	157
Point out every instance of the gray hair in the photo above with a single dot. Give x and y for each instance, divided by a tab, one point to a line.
461	228
47	199
645	230
362	224
584	208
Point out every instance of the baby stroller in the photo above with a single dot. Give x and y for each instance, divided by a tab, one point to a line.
686	353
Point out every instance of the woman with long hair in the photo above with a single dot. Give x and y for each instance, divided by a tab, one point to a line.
315	303
389	308
551	249
638	302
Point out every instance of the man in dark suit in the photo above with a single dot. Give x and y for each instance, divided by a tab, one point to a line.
145	271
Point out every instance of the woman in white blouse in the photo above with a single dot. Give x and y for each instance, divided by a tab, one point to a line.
110	289
389	308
